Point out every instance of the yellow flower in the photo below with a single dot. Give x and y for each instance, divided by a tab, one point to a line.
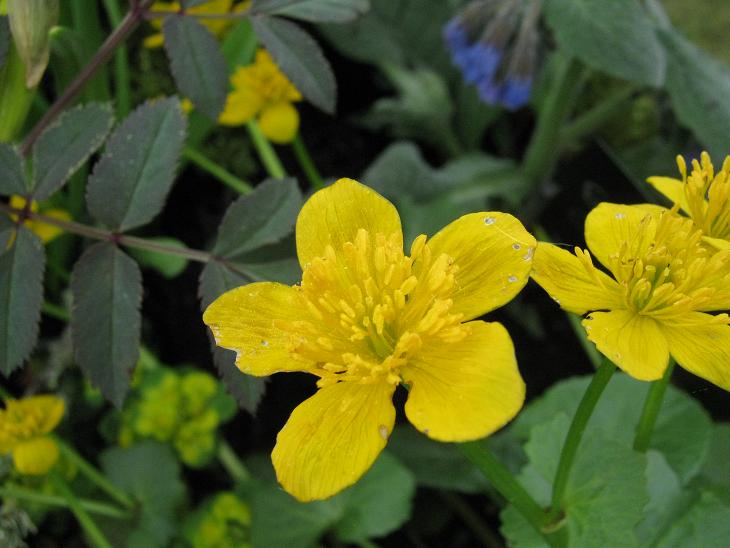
655	303
44	231
224	522
366	318
24	425
216	26
262	91
703	195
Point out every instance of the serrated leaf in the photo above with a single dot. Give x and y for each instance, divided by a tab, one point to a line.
616	37
64	146
316	11
170	266
130	182
21	296
12	177
105	318
150	473
4	39
197	63
300	58
261	218
698	85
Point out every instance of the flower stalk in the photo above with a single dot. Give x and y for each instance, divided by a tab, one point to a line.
306	163
223	175
266	152
650	412
92	506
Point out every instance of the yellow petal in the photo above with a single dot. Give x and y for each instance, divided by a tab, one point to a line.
279	122
467	390
51	410
154	41
673	189
574	283
241	106
36	456
47	232
333	215
245	320
332	438
494	254
633	342
702	349
608	226
717	243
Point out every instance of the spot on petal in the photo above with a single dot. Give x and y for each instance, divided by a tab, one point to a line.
383	431
489	220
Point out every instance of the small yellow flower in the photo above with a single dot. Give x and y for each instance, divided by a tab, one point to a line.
655	303
24	425
262	91
45	232
216	26
366	317
224	522
704	195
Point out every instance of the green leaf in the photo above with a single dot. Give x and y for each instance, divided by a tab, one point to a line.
666	499
714	475
682	432
21	296
616	37
378	503
197	64
150	473
261	218
130	182
64	146
170	266
300	58
706	523
698	85
316	11
4	39
605	495
434	464
105	318
12	176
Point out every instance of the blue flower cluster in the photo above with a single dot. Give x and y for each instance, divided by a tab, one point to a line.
494	44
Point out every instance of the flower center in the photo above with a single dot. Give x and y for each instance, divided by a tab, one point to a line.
666	269
18	423
373	308
708	195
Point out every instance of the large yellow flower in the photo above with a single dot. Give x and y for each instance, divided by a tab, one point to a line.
24	425
704	195
262	91
664	281
367	317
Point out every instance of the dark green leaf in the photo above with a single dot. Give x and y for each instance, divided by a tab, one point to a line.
318	11
150	473
63	147
698	85
21	296
197	63
300	58
616	37
105	318
4	39
130	182
261	218
170	266
12	177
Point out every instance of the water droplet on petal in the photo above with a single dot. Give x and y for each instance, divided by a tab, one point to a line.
620	216
489	220
265	344
383	431
516	247
512	279
530	253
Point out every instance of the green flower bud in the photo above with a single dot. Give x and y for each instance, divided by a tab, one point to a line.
30	24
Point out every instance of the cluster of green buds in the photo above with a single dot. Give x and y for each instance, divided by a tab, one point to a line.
184	409
224	520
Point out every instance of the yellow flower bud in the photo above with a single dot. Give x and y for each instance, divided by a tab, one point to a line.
36	456
30	24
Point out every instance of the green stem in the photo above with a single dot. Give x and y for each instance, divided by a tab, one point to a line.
306	163
230	461
122	80
652	406
93	506
224	176
472	520
541	156
580	420
506	484
266	152
598	116
55	311
87	524
94	475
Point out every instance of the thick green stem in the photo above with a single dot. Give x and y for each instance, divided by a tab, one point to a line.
306	163
87	524
506	484
575	433
230	461
122	80
652	406
224	176
598	116
266	152
93	506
